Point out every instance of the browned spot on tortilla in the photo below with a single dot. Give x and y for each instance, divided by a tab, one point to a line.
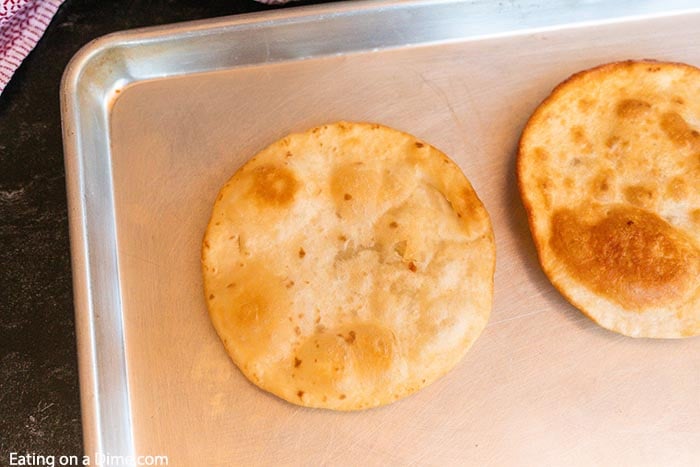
541	154
350	338
678	130
577	134
677	189
579	138
612	141
373	350
640	195
273	185
630	256
600	184
629	108
695	216
585	104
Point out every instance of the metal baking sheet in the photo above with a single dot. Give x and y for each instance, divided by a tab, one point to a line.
156	120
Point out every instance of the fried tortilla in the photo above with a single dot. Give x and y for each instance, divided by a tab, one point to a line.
609	173
348	266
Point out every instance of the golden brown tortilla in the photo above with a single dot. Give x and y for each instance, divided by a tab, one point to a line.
609	172
348	266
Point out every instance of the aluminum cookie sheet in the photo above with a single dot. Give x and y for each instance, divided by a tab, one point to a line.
156	120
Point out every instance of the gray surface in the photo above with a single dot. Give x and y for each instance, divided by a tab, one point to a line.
542	385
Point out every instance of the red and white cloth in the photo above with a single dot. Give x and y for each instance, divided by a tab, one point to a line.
22	23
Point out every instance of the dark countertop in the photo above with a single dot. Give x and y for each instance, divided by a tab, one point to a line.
39	395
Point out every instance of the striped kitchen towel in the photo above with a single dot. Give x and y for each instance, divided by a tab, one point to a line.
22	23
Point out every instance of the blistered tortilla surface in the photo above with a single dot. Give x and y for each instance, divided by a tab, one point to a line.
609	172
348	266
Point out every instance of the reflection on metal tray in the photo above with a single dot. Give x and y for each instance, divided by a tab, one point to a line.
156	120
